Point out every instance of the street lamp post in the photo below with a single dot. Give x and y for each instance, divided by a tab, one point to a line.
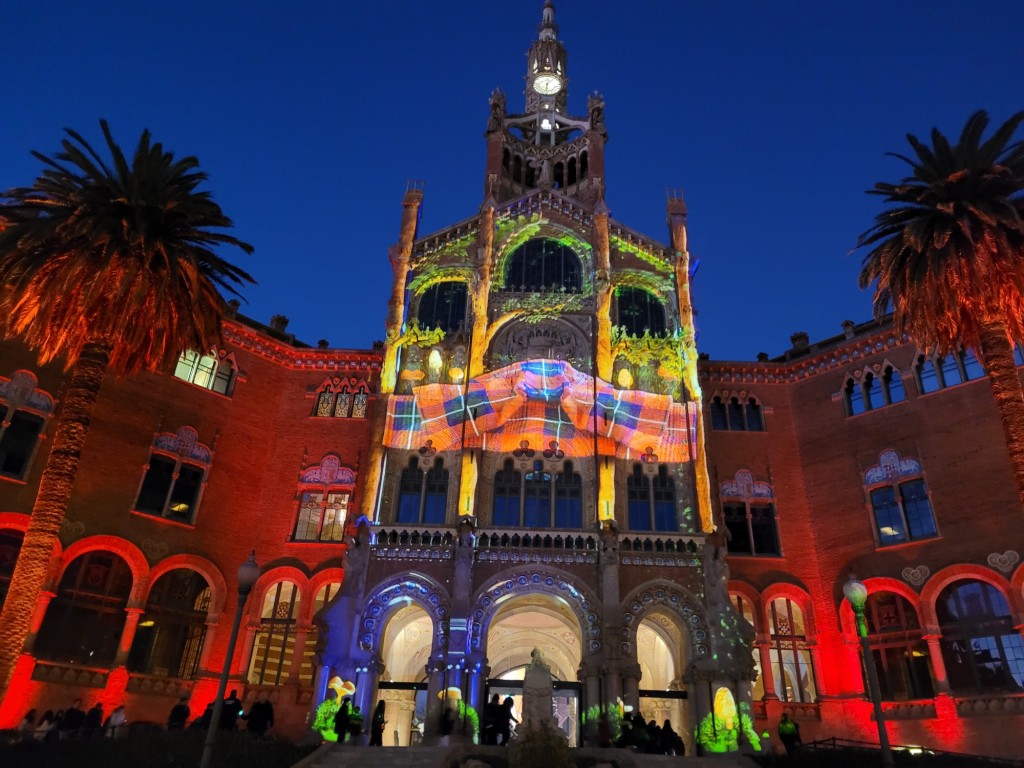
857	594
248	573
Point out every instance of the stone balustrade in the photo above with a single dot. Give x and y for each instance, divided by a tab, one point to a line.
922	709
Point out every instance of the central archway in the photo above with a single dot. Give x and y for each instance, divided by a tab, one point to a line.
547	622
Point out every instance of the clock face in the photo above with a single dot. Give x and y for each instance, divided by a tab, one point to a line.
546	85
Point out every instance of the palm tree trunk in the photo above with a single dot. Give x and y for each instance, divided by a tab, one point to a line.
32	568
997	354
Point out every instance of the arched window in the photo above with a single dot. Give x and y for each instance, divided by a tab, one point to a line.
751	524
170	634
324	595
791	659
736	415
322	515
638	310
423	496
206	371
443	306
83	623
539	498
982	650
746	611
543	264
935	373
892	384
10	546
901	656
854	396
651	500
274	645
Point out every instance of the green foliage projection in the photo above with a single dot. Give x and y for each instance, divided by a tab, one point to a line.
537	307
422	281
655	259
416	336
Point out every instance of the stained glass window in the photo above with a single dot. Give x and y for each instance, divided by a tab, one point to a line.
342	403
639	310
540	498
901	656
444	306
903	512
359	406
790	655
324	402
206	371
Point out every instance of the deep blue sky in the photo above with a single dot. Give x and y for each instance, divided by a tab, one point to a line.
774	118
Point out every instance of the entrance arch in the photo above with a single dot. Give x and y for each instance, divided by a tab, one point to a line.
661	654
407	640
547	622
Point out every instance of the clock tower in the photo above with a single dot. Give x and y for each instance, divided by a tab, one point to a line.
545	147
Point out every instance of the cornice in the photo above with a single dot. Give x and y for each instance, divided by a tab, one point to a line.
293	358
808	366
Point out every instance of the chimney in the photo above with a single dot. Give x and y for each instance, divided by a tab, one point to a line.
323	344
848	328
279	323
801	341
233	306
762	357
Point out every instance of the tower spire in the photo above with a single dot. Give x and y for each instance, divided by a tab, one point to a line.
548	30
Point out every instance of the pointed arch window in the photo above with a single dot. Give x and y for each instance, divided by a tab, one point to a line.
935	372
444	306
876	389
423	496
543	264
651	499
981	648
736	415
207	371
324	595
341	399
638	310
325	492
170	634
745	609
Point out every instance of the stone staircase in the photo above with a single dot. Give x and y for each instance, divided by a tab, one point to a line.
333	756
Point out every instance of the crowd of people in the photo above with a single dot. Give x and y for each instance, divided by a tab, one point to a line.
648	737
73	723
77	723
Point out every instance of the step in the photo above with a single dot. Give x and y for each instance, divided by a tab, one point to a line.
334	756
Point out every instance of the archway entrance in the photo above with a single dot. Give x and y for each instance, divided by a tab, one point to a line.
660	646
406	644
548	623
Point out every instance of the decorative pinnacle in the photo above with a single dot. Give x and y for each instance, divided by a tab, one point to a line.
547	30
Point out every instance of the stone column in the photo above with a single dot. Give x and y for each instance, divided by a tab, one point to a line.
131	624
437	681
298	654
212	622
819	683
399	708
241	660
767	673
938	662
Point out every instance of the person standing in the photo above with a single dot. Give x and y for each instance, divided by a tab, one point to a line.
789	735
72	721
261	716
377	723
115	726
229	714
179	715
492	716
341	719
505	721
93	721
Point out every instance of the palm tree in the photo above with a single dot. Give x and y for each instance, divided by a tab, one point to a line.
108	268
948	257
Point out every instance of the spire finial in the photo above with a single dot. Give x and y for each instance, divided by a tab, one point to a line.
547	30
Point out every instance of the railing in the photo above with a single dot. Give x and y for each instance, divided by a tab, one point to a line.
992	704
159	684
852	745
674	543
413	543
70	674
507	538
919	709
800	710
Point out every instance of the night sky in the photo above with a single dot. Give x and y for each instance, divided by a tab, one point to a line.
773	117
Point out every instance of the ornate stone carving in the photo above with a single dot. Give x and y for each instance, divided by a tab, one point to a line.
549	339
1004	562
915	576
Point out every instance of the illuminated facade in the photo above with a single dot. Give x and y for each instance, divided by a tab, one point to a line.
535	457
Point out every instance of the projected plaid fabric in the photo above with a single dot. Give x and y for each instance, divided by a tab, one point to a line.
539	402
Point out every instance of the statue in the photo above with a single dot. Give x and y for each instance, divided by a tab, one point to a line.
595	108
538	693
497	118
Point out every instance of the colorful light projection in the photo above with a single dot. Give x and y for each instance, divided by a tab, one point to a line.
324	718
720	729
532	404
